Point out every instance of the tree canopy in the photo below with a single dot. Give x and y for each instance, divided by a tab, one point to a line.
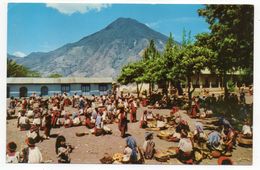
17	70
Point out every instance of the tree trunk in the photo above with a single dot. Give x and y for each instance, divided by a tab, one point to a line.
225	85
137	90
150	89
190	91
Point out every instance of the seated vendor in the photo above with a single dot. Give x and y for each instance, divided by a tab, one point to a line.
185	146
23	122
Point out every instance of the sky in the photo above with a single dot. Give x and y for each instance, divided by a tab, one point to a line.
43	27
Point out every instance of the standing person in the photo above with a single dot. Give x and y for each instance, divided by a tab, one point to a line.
32	153
133	109
122	124
47	126
12	156
149	146
62	150
143	120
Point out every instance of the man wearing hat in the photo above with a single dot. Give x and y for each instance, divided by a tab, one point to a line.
11	155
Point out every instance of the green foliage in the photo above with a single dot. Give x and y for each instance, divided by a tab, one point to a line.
55	75
131	73
17	70
231	86
231	35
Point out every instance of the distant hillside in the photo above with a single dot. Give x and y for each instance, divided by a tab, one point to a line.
98	55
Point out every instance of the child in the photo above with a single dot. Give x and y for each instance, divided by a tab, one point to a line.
12	156
62	150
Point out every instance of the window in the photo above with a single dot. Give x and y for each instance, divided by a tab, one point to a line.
85	87
23	92
44	91
65	88
103	87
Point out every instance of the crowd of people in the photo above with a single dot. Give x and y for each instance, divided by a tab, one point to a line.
97	112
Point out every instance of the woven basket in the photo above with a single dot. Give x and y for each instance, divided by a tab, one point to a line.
81	134
152	129
173	152
161	156
244	141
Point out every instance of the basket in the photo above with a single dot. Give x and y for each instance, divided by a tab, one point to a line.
163	137
107	159
161	156
118	157
173	152
81	134
152	129
244	141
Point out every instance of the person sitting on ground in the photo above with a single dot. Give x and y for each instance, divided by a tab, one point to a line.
149	146
229	139
63	150
98	130
160	122
12	156
199	135
224	122
183	125
150	115
131	143
32	153
37	119
214	141
88	122
185	146
23	121
76	119
34	133
67	121
246	129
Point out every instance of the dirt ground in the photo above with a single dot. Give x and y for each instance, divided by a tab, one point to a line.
89	148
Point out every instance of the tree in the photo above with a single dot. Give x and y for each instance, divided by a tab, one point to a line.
231	37
132	73
191	60
17	70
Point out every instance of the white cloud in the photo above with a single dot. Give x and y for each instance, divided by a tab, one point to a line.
19	54
70	8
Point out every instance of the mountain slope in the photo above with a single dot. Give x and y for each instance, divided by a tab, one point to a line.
100	54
